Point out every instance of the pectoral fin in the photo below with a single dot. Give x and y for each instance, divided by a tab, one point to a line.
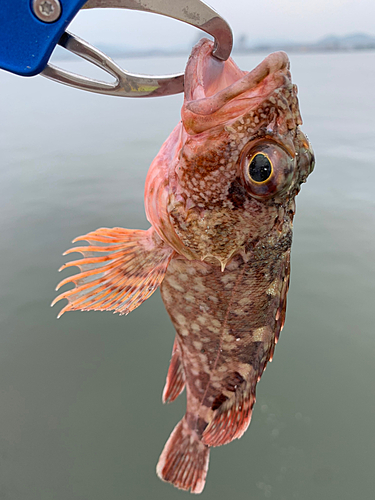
120	269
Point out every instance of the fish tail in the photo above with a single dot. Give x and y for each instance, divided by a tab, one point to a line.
184	460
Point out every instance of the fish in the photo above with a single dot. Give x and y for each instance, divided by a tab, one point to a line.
220	199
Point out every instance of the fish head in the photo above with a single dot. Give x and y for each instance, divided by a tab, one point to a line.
237	159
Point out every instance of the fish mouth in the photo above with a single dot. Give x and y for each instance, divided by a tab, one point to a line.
217	90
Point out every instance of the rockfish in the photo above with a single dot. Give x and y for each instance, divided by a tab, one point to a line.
220	200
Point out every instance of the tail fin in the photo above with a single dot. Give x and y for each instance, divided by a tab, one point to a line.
184	460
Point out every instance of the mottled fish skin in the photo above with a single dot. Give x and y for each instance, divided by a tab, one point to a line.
220	200
225	289
227	325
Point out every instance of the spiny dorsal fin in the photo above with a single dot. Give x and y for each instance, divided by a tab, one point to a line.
175	382
120	269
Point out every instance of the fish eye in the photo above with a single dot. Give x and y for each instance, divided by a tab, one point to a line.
267	169
260	168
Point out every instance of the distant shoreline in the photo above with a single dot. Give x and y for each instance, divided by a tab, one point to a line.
117	54
354	42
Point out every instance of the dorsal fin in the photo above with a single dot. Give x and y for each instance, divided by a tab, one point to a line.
175	382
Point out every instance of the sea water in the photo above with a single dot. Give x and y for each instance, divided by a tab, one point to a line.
81	416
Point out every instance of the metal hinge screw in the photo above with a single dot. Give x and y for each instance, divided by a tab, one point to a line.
47	11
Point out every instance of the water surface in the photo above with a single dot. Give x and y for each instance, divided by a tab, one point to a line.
81	416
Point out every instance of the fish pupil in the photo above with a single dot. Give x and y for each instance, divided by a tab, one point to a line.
260	168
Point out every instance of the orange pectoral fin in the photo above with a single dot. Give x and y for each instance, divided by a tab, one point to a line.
176	376
120	269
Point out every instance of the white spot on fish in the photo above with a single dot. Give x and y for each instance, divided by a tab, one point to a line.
203	358
167	296
199	285
197	383
189	297
203	307
202	320
244	301
274	288
213	299
226	278
228	347
222	369
239	311
213	329
260	334
180	318
172	281
198	345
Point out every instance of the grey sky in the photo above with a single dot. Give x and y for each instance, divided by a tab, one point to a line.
300	20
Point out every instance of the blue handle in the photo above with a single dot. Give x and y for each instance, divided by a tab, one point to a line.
26	43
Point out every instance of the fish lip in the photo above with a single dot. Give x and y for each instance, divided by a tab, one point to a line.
273	64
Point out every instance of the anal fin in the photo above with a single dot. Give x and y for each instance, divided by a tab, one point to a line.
120	269
231	419
175	382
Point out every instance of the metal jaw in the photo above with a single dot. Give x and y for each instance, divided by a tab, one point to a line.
193	12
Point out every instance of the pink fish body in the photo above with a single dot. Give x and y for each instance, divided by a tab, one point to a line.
220	200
